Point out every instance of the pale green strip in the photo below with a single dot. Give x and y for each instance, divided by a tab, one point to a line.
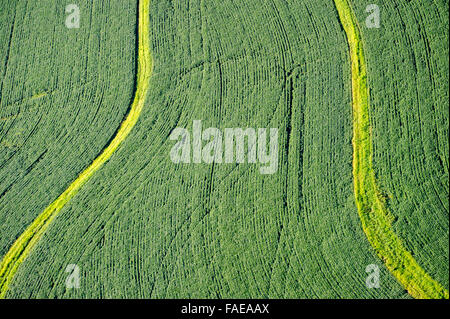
25	243
375	218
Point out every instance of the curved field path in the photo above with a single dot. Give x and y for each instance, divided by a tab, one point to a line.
376	219
25	243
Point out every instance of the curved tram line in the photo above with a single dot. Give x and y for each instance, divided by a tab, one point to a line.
375	218
25	243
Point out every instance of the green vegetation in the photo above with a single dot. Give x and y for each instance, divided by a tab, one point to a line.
143	227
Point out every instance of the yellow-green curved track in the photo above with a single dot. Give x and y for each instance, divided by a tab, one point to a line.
25	243
375	217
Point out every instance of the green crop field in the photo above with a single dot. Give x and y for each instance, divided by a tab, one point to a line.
116	158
